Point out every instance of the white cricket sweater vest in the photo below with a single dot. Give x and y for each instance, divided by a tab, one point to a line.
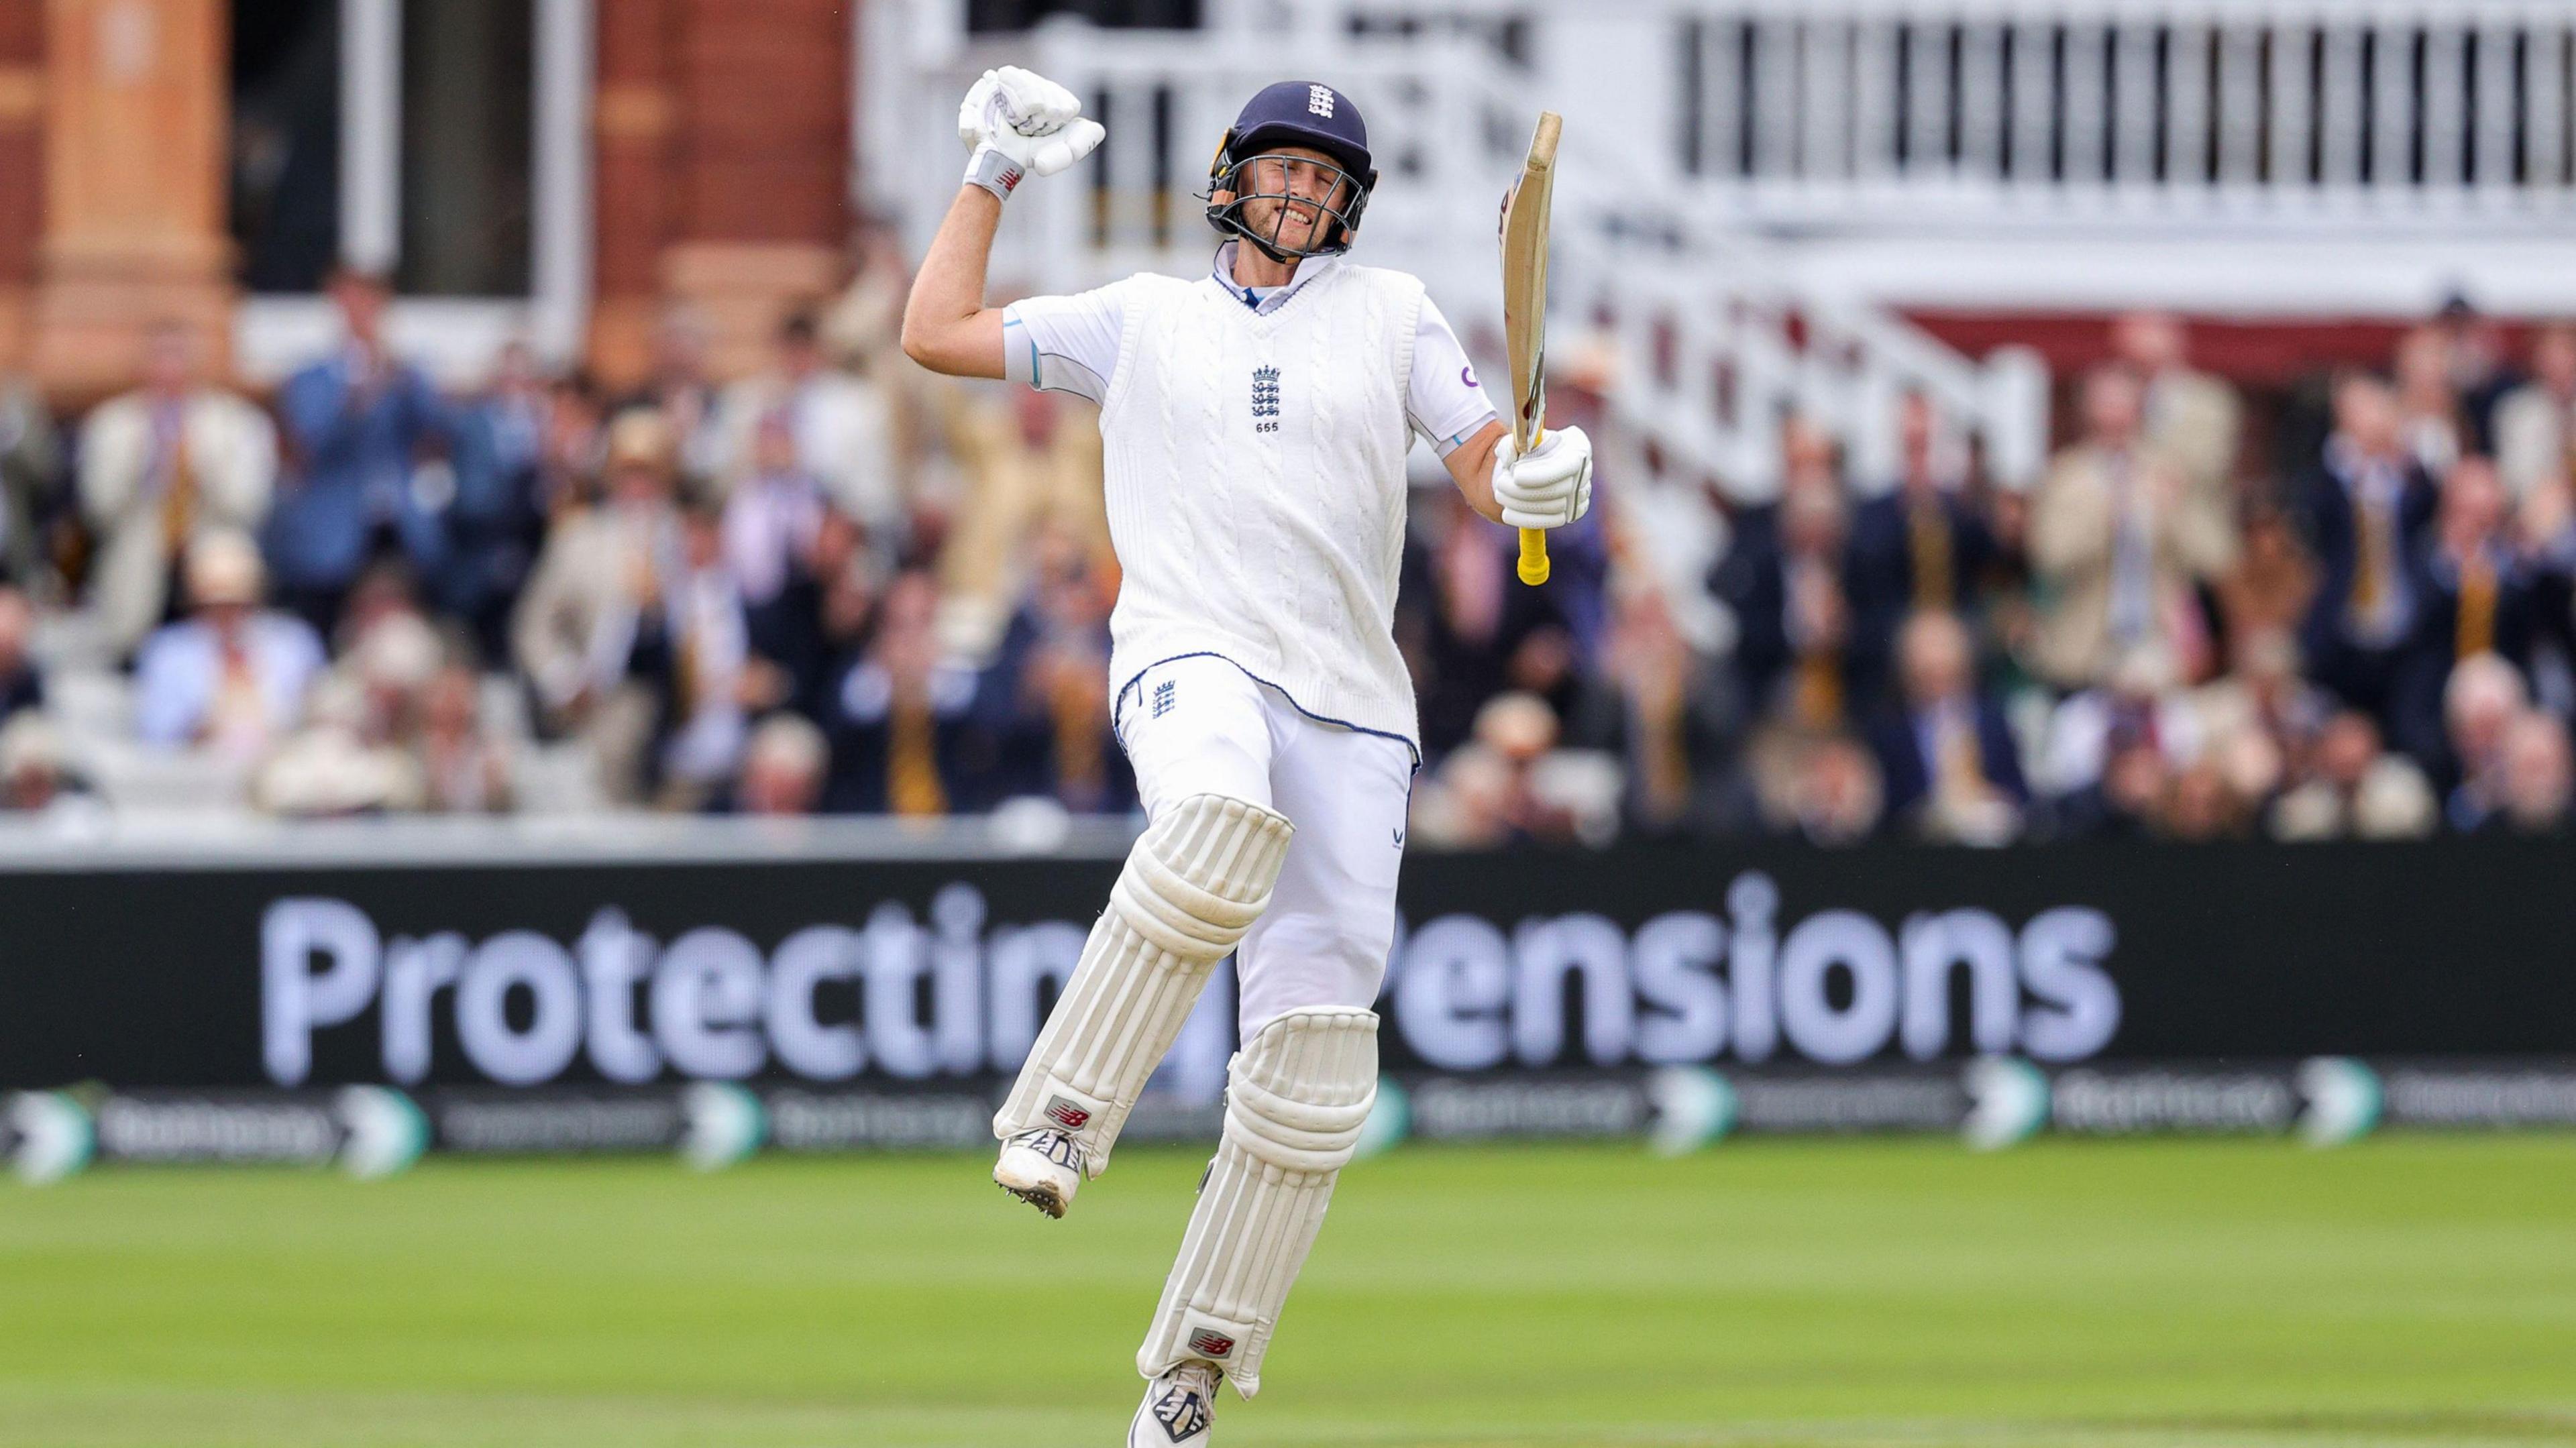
1256	490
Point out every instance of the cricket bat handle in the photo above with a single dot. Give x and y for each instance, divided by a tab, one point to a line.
1534	541
1533	556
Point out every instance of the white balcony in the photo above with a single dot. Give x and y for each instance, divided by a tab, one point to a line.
2336	156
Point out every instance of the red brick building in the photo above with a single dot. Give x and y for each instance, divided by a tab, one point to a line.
555	169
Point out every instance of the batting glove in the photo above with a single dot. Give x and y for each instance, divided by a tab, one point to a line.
1549	488
1015	122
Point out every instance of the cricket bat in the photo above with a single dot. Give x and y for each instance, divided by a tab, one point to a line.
1525	310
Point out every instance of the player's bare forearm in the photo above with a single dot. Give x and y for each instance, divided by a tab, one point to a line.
1471	464
946	326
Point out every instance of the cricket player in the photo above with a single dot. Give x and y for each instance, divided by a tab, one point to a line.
1255	424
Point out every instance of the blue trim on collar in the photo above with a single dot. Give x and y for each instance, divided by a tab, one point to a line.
1308	269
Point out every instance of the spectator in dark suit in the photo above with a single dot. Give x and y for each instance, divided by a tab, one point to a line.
694	644
2482	593
497	522
2480	367
1050	686
1672	716
1470	630
2486	591
2367	505
31	457
1920	546
358	420
1951	768
819	624
905	725
21	687
771	523
1783	578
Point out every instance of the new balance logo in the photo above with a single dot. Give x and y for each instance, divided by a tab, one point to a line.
1211	1345
1067	1115
1265	399
1319	99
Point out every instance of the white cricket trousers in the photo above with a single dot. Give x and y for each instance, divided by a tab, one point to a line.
1200	725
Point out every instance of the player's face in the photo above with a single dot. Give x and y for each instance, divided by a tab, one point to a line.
1304	184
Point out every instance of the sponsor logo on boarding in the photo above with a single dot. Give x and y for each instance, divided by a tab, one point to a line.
2120	1103
1836	987
1211	1344
1740	978
2450	1096
1067	1115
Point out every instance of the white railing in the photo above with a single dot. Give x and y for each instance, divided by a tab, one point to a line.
2003	112
1714	344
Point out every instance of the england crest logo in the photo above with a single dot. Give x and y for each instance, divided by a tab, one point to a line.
1265	399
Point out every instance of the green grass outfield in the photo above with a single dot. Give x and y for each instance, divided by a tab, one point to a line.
2126	1295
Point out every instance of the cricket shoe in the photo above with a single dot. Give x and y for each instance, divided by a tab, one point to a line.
1179	1408
1042	1168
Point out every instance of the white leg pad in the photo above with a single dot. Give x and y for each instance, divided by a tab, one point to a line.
1300	1090
1195	882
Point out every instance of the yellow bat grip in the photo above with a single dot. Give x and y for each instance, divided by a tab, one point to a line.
1533	556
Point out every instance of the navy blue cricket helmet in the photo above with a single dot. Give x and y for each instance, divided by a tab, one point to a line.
1294	113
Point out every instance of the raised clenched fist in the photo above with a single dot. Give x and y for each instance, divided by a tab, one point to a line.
1016	122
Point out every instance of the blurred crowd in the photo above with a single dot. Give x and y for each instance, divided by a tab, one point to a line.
838	585
2361	630
827	586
